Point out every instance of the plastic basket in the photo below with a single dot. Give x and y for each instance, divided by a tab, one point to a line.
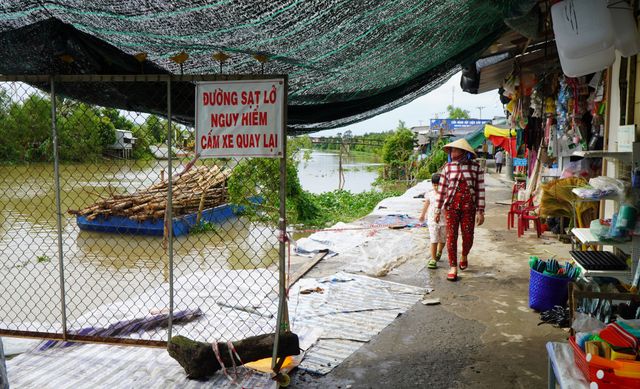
545	291
600	370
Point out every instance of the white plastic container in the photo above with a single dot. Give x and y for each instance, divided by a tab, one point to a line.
627	39
582	28
588	64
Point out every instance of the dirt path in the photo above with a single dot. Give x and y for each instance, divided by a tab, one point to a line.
483	335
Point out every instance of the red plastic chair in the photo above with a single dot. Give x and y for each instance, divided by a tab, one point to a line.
516	188
517	207
525	216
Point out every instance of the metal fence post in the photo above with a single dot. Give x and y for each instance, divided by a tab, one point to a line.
282	323
170	208
56	174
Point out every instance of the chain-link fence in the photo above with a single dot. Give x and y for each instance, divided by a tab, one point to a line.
84	252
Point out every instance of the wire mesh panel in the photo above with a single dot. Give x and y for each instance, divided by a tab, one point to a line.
29	272
122	271
112	201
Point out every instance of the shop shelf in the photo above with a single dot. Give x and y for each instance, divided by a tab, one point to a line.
585	236
622	275
601	264
621	155
599	260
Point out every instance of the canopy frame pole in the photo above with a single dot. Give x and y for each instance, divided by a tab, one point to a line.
169	223
282	323
56	174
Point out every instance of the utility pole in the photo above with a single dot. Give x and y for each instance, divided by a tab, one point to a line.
453	93
480	109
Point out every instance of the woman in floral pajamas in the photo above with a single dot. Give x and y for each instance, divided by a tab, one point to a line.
461	195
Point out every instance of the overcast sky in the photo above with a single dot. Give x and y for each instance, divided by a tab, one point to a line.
430	106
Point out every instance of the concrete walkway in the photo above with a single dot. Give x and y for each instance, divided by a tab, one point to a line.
483	335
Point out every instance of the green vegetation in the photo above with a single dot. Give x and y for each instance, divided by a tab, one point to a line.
85	132
43	258
341	205
260	176
397	153
39	259
433	163
203	226
457	112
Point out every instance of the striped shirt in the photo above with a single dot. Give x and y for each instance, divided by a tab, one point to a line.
452	173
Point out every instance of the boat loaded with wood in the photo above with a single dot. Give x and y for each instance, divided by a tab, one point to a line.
199	195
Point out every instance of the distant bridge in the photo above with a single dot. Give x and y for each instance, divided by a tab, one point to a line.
346	141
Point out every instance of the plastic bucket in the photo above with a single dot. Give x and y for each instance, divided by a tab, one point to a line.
545	291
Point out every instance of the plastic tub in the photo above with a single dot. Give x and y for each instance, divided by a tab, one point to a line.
605	373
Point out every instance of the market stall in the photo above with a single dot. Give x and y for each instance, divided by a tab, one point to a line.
571	99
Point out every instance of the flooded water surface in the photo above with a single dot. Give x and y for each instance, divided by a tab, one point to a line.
102	268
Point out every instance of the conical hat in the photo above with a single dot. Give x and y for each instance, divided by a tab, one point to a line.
461	144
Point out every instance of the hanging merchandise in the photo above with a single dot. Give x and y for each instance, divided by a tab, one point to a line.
518	118
596	106
552	149
534	133
571	106
536	102
510	84
527	83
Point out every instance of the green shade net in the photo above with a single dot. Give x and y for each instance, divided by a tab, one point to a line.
346	60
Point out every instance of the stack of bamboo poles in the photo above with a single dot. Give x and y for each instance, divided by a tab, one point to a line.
200	187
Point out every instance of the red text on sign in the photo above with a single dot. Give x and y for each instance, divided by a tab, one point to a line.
220	97
244	141
271	140
250	98
224	119
254	118
210	142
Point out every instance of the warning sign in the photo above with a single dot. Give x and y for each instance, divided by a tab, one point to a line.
240	118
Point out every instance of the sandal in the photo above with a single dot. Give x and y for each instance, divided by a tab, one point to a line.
438	256
451	276
432	264
463	264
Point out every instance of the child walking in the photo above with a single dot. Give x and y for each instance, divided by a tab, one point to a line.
437	231
461	195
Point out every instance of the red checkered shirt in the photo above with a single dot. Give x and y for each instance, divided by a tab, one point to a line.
452	173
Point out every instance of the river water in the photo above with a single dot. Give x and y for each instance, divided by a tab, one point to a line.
103	268
320	173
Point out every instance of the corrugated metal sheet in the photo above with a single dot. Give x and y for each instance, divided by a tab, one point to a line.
351	311
102	366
